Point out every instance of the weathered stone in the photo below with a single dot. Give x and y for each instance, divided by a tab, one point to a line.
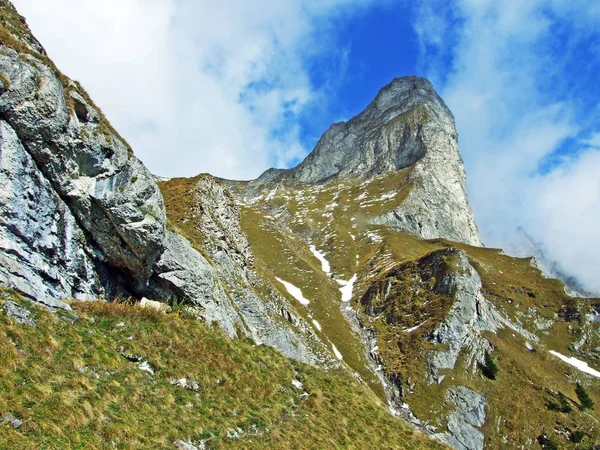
183	274
161	307
95	208
43	252
12	420
186	384
471	314
463	424
19	314
183	445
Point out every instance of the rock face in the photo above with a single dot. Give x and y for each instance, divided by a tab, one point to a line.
81	206
471	314
44	252
407	125
219	222
19	314
463	424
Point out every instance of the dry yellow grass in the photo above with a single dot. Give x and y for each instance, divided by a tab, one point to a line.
72	388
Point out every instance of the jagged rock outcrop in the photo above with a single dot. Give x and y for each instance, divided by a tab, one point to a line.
407	125
228	295
464	423
219	221
82	207
471	313
43	254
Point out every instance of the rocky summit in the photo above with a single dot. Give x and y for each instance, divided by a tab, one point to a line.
345	303
408	125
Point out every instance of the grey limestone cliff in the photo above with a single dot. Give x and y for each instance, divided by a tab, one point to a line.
408	125
460	330
464	423
80	203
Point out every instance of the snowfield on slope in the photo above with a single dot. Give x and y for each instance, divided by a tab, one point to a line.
347	287
325	266
337	353
578	364
294	292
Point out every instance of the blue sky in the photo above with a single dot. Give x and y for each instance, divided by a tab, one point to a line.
374	47
233	87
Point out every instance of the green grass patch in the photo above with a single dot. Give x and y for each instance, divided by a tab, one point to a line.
67	380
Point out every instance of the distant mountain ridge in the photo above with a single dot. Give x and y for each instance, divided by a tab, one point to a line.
523	246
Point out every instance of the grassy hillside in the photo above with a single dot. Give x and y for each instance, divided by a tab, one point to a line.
73	383
284	219
522	401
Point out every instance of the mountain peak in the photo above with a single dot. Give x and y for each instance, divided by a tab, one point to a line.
384	137
405	92
406	126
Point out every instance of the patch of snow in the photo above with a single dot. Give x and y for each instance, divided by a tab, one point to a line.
578	364
294	292
337	353
271	195
146	367
346	288
410	330
530	347
387	196
325	266
317	325
374	237
252	201
297	384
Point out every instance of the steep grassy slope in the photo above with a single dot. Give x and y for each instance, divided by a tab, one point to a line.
522	400
284	219
69	382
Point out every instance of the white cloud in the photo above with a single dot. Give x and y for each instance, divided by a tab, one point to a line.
506	87
195	86
568	206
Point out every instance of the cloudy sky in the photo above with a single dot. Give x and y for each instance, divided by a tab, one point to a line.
234	87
